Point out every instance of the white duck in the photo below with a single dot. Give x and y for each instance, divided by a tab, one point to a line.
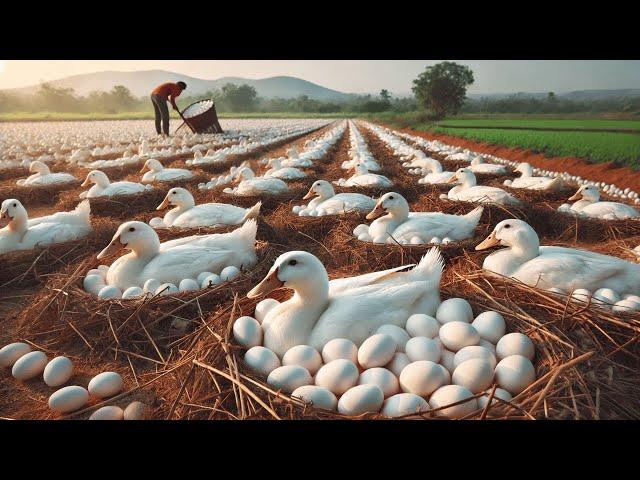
528	181
588	204
22	233
421	164
157	173
187	214
437	176
43	176
468	191
283	173
362	178
293	159
327	202
479	166
400	225
175	260
555	267
353	308
104	188
252	185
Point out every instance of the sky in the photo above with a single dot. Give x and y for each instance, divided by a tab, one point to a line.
356	76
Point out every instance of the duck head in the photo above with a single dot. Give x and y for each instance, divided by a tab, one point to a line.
298	270
477	160
360	168
39	167
138	237
178	197
320	188
512	233
246	173
151	164
390	203
590	193
97	177
525	169
465	176
12	211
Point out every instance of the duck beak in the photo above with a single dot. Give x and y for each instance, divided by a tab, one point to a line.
165	203
4	217
114	247
452	180
576	196
376	212
490	241
267	285
309	194
144	168
86	182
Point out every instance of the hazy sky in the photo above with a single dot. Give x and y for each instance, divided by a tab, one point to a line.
356	76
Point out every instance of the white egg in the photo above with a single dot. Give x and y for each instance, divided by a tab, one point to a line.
420	325
93	283
423	348
132	292
58	371
305	356
400	336
457	335
96	271
150	286
361	399
188	285
337	376
475	374
625	306
606	296
422	378
110	412
403	404
381	377
515	373
499	393
166	289
397	363
110	292
210	281
247	332
103	268
12	352
318	397
30	365
447	359
229	273
633	298
106	384
488	345
262	360
490	325
289	377
454	310
376	351
340	348
263	307
515	344
451	394
581	294
136	411
202	276
474	351
68	399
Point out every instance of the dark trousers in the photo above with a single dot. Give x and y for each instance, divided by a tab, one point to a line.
162	113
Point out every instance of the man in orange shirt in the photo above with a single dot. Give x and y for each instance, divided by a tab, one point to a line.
159	97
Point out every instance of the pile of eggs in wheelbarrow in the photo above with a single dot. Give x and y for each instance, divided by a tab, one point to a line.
427	365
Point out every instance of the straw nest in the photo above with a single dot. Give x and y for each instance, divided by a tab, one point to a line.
30	196
124	207
176	352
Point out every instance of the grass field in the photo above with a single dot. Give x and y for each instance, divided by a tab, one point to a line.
622	148
545	124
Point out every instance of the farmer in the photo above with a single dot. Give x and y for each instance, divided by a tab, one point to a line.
159	97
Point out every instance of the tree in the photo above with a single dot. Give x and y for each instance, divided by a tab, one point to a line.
239	98
122	98
442	88
56	99
385	99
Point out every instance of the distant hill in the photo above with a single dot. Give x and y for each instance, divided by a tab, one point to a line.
142	82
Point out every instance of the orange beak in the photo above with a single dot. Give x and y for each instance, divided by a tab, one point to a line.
310	194
165	203
267	285
576	196
113	248
376	212
86	182
452	180
490	241
144	168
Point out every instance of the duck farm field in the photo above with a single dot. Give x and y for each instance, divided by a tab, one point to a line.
320	268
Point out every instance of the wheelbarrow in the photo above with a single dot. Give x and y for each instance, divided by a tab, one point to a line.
201	117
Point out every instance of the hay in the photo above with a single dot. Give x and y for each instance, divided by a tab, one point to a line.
123	207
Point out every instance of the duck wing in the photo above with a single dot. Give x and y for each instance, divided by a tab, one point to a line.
211	214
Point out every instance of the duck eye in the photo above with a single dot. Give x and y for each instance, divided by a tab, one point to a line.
391	197
293	262
15	205
132	229
507	226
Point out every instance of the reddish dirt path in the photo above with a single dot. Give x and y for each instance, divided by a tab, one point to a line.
605	172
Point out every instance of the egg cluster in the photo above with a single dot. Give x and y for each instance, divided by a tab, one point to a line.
26	364
197	108
426	364
95	282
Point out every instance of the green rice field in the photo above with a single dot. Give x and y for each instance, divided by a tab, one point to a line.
586	124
